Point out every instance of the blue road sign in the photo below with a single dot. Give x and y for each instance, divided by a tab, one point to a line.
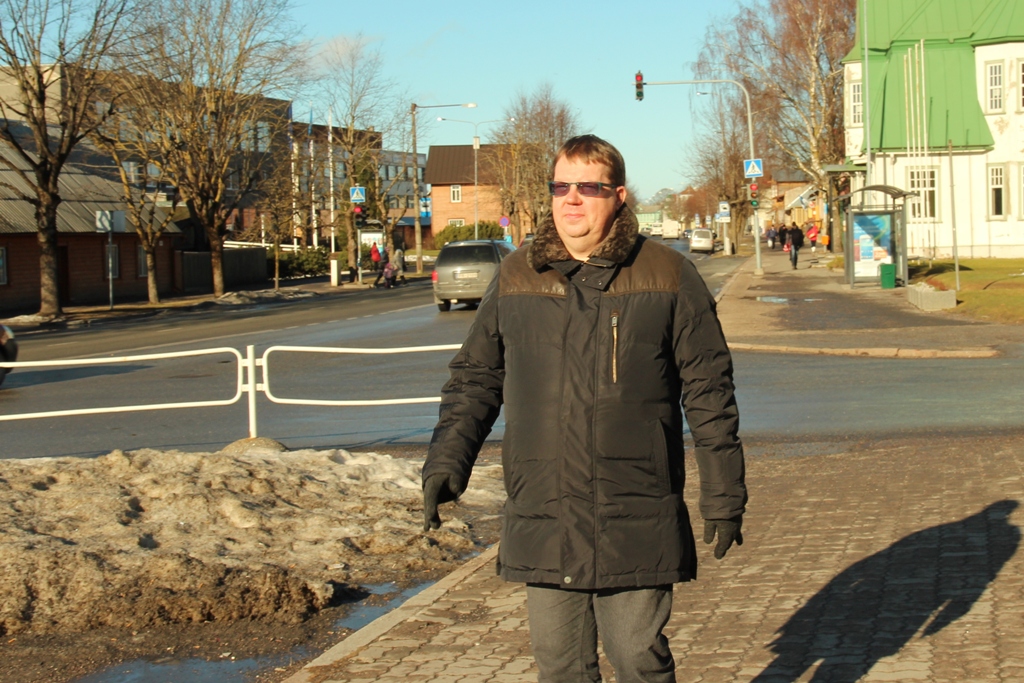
752	168
357	194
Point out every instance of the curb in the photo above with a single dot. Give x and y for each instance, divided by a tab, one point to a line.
403	612
872	352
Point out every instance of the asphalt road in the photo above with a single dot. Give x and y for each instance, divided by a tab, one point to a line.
786	402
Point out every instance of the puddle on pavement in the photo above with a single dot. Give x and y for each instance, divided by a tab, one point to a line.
228	670
781	299
225	670
368	609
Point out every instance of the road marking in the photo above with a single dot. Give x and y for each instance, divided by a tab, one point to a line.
104	354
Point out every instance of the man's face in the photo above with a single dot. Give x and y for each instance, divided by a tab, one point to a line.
584	221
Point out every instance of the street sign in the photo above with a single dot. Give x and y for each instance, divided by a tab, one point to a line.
357	194
723	207
724	219
752	168
110	221
504	222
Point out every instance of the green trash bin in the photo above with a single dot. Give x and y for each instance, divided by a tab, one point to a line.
887	271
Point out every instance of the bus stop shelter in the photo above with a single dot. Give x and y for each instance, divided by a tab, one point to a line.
875	238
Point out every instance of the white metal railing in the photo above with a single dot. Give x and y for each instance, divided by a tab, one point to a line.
245	380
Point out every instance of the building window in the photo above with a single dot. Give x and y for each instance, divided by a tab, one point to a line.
131	170
456	221
456	194
996	191
994	82
925	182
111	262
1020	186
262	136
141	269
856	105
3	265
152	176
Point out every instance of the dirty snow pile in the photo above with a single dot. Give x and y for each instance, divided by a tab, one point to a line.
263	296
145	537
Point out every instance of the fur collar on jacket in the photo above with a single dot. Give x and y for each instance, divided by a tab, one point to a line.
548	248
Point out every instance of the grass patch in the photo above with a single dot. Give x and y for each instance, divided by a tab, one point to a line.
990	289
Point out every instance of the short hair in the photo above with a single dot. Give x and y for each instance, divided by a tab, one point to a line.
593	150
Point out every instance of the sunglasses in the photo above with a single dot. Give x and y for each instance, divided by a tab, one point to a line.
585	189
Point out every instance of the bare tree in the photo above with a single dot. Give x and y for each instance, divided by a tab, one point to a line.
52	58
539	124
275	205
787	53
367	106
150	198
719	147
204	97
389	205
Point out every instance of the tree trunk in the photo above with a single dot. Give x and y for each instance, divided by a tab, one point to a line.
277	265
217	265
49	285
353	244
151	283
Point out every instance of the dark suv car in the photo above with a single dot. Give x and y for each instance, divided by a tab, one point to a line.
463	270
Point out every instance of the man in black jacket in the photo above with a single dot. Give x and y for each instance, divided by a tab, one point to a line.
592	338
796	241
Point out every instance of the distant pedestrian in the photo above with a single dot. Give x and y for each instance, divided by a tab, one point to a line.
375	256
783	236
795	240
389	275
812	236
399	263
383	263
772	235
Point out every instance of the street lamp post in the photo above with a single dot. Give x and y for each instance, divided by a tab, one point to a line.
476	186
758	270
416	176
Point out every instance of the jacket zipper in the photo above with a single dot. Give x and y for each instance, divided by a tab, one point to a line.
615	347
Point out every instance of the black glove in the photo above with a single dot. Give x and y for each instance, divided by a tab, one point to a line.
437	489
728	530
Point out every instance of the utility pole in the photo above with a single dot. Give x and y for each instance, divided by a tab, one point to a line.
416	176
758	270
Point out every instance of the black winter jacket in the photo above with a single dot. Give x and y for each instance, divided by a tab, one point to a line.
591	361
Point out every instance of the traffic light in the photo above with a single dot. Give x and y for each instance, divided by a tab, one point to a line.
360	216
752	194
639	86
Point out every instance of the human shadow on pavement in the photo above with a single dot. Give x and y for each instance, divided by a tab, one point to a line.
919	585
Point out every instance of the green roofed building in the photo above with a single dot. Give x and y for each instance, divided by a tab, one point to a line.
944	73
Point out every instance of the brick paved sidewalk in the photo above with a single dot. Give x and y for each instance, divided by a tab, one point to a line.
811	310
893	564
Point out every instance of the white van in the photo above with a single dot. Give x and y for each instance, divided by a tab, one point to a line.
670	230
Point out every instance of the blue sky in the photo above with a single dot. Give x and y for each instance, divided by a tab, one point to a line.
589	51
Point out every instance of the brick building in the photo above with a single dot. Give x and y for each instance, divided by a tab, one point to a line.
81	250
453	196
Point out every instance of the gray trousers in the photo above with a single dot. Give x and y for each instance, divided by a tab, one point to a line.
564	626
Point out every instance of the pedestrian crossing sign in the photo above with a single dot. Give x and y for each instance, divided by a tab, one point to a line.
357	194
752	168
